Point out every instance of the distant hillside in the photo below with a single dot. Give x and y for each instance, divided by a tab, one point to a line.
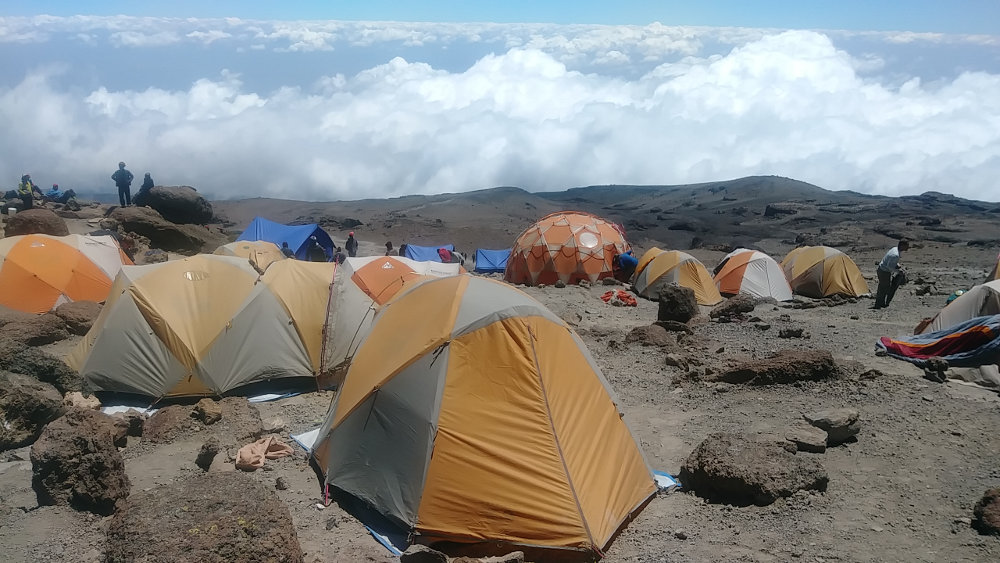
740	212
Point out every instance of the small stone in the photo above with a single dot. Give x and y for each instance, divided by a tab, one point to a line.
281	484
75	399
560	284
207	411
680	534
928	398
332	523
207	453
807	438
319	506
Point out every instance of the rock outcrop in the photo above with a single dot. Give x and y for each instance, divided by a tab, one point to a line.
36	220
177	204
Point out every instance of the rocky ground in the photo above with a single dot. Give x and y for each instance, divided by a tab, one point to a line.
903	490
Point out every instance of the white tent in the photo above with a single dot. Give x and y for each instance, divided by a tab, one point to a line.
752	272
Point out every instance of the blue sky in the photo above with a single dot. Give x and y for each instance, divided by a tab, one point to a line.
309	101
954	16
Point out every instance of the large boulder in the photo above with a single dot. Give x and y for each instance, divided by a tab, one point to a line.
224	516
677	303
736	469
787	366
177	204
26	406
36	221
75	462
987	513
162	234
35	330
79	316
651	335
20	358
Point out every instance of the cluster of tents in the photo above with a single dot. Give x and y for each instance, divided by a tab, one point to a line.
466	411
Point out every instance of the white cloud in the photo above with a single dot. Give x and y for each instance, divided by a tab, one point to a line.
787	103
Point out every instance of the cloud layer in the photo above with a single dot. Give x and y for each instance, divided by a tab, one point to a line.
541	107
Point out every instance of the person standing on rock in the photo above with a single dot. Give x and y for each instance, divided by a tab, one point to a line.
351	245
890	275
123	179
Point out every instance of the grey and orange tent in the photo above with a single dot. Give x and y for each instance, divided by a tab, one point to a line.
568	246
490	426
658	268
754	273
822	271
40	272
206	325
360	287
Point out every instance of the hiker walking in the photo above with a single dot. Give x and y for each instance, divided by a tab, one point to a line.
25	190
123	179
890	275
351	245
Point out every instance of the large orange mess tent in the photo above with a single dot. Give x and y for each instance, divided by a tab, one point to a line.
490	426
754	273
260	253
658	268
568	246
822	271
360	287
206	325
40	272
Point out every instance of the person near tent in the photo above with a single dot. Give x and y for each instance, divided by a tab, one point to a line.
316	251
402	249
286	251
388	249
623	266
339	256
445	255
25	191
890	275
123	179
351	245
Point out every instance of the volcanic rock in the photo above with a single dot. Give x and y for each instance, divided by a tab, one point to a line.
36	220
26	406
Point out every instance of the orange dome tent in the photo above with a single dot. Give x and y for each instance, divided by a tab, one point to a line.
40	272
568	246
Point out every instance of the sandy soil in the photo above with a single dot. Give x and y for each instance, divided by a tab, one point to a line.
903	492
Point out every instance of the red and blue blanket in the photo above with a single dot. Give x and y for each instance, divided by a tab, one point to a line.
972	343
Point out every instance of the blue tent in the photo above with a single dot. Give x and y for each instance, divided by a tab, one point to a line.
488	261
297	236
426	253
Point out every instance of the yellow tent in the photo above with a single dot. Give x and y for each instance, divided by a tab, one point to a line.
490	426
821	271
206	325
658	268
259	252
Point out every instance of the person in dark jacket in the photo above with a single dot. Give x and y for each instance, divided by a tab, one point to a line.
351	245
316	251
339	256
286	251
123	179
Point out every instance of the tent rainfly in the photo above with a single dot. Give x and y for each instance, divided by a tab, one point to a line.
491	426
260	253
297	236
822	271
754	273
658	268
206	325
40	272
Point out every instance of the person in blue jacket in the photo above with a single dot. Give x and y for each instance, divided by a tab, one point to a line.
623	266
